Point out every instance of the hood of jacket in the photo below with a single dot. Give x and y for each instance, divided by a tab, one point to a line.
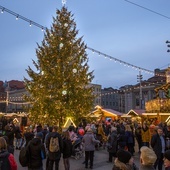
35	141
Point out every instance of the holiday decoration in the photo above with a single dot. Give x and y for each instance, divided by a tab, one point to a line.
55	92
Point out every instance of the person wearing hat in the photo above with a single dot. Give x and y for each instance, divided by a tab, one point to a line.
89	147
166	160
147	158
124	161
36	149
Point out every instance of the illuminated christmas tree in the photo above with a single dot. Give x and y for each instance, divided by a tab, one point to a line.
59	87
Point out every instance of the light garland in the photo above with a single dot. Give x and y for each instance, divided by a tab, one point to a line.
3	9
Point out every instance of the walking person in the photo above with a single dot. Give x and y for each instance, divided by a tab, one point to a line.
89	147
112	146
54	146
36	152
145	135
67	150
158	145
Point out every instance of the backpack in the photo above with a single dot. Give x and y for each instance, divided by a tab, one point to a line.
23	157
54	144
8	162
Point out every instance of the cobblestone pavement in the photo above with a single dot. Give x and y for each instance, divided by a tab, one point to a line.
100	161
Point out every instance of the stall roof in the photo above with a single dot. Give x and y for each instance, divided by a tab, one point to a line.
136	112
105	112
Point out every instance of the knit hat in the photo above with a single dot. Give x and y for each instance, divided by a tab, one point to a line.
124	156
39	135
167	154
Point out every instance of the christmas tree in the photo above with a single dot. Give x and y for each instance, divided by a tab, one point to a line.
60	86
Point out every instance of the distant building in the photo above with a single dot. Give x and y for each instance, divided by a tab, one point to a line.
97	93
110	98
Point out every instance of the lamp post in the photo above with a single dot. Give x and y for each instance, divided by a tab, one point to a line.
168	42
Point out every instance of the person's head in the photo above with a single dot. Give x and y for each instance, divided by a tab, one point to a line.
55	129
166	158
113	129
39	135
124	156
160	131
3	144
148	156
66	135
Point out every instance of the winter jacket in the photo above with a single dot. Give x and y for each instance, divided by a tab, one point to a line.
67	148
145	134
112	142
35	147
121	166
89	141
5	159
54	155
156	145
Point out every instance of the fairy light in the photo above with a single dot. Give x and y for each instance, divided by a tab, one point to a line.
88	48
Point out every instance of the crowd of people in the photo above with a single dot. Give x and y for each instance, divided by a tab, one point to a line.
119	137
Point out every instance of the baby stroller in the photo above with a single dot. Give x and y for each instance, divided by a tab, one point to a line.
77	149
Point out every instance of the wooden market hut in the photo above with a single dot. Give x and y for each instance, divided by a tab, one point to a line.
104	114
134	114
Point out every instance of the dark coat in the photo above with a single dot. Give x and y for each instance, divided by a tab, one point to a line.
156	145
54	155
4	158
35	146
67	148
112	142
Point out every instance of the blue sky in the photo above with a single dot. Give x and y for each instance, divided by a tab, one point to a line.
113	27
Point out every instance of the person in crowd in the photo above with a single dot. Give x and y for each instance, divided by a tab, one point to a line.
73	134
152	130
158	145
138	135
112	145
9	132
145	134
122	140
89	147
124	161
50	128
101	135
147	158
44	131
18	137
130	139
28	135
167	135
67	150
7	160
166	160
36	152
9	147
54	157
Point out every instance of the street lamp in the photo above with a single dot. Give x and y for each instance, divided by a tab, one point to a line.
139	78
168	42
